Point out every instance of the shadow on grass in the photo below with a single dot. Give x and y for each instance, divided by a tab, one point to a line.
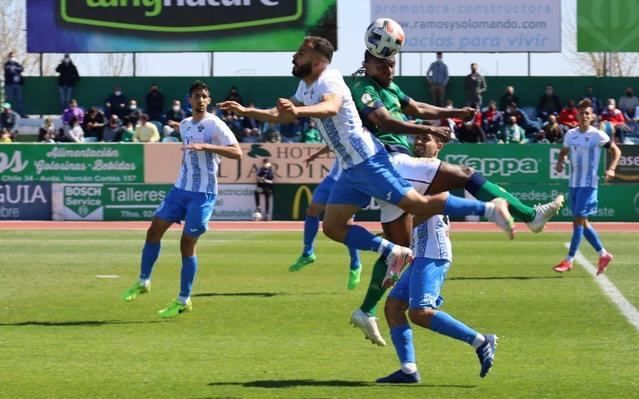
325	383
257	294
504	278
80	323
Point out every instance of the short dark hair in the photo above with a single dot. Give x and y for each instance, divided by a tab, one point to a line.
585	103
198	85
321	45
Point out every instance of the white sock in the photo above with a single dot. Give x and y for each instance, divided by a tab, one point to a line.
409	368
603	252
570	258
385	243
489	213
478	341
183	300
145	282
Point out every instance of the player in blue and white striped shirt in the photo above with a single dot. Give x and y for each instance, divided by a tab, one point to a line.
367	172
584	143
205	139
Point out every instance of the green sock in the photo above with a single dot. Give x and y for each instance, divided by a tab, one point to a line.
489	191
375	290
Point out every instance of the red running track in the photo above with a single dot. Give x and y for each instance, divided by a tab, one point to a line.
616	227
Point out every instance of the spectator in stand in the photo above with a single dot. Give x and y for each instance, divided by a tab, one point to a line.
46	133
568	117
596	102
133	113
67	78
471	131
72	111
311	135
74	134
491	120
548	104
508	97
474	86
155	103
511	132
13	82
172	119
128	132
613	122
531	127
291	132
234	95
628	104
113	130
272	135
9	120
116	103
94	123
145	132
437	77
250	128
551	132
5	136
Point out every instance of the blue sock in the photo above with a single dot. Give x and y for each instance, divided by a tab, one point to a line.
577	232
358	237
189	267
402	337
311	227
593	238
445	324
354	253
150	254
457	206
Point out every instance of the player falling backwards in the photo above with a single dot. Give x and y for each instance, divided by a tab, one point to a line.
205	138
384	107
367	172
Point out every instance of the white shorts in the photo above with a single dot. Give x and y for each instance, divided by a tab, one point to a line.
419	172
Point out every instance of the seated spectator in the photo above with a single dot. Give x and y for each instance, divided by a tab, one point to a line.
291	132
145	132
5	136
511	132
154	102
46	133
251	136
9	120
250	126
532	127
508	97
73	110
551	132
116	103
596	102
628	103
233	122
128	133
548	104
94	123
492	119
133	113
613	122
272	135
113	130
172	119
74	133
471	131
568	117
234	95
311	135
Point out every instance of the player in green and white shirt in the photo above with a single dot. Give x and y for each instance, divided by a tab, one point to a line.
384	109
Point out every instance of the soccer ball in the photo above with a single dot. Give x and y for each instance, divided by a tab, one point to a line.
384	38
257	215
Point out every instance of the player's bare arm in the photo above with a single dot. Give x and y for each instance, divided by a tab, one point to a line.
563	153
232	151
328	107
382	118
614	153
421	110
271	115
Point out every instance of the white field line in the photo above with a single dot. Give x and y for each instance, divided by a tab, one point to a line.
610	290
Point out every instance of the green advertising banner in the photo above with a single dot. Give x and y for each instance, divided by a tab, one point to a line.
608	25
72	163
618	203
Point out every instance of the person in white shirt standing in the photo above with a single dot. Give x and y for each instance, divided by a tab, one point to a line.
583	143
204	139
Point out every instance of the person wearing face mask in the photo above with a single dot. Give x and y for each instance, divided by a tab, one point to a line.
154	103
596	102
172	119
67	78
132	113
613	122
116	103
629	103
474	86
548	104
13	82
511	132
113	130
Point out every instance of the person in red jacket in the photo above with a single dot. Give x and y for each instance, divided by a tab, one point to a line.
568	117
613	122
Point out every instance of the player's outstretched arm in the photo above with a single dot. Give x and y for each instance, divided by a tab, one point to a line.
271	115
382	118
232	151
328	107
421	110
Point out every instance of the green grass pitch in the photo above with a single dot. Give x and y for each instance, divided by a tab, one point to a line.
258	331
